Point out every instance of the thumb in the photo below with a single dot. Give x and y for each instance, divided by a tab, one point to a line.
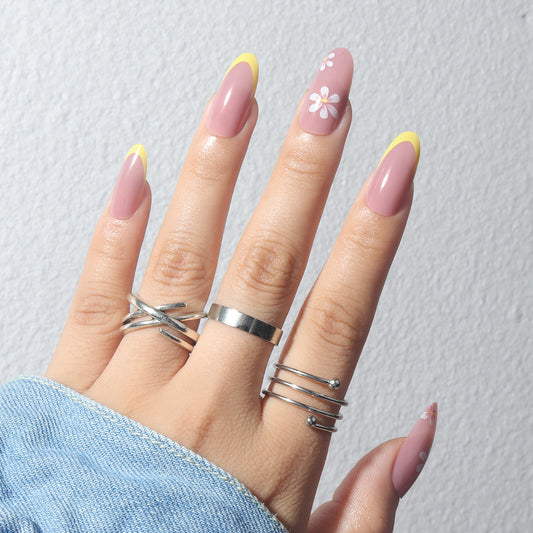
367	499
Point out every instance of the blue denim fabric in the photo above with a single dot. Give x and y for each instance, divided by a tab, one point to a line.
69	464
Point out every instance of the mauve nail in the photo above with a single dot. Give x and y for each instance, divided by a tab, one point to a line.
414	451
392	180
129	190
327	96
232	103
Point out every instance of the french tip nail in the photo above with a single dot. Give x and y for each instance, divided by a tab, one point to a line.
139	151
391	182
130	187
247	57
406	136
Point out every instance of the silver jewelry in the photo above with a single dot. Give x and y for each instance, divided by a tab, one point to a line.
147	315
236	319
311	420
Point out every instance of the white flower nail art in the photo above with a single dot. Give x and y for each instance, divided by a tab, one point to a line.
423	456
324	102
326	62
430	413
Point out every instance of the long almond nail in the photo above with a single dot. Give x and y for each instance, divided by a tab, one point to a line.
129	190
392	179
233	100
414	452
327	96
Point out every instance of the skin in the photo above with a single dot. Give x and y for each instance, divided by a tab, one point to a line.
262	442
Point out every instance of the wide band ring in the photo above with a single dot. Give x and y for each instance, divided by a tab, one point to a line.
247	323
312	420
171	326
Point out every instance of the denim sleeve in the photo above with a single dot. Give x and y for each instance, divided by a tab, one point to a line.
69	464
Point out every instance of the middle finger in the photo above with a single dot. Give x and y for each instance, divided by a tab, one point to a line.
271	256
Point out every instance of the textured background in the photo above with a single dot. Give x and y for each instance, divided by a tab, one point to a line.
83	81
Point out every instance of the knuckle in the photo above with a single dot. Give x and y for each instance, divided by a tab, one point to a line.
267	266
182	264
334	319
204	170
95	308
305	165
111	248
367	241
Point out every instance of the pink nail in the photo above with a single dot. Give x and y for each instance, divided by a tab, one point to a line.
414	451
392	179
129	190
327	96
232	103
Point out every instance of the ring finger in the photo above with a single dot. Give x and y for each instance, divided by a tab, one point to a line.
335	319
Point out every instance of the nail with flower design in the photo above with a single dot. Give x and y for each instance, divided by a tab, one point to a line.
414	452
327	96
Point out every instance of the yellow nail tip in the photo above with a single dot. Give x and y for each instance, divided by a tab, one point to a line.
249	58
139	150
406	136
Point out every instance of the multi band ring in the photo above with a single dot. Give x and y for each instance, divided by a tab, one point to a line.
171	326
311	420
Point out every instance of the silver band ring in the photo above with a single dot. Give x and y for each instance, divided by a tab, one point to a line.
247	323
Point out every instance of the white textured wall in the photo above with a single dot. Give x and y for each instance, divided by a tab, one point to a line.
81	82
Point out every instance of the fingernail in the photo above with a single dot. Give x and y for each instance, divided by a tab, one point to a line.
414	451
392	179
129	190
327	96
233	100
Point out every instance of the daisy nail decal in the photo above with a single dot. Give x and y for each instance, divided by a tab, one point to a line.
326	62
324	102
328	93
430	414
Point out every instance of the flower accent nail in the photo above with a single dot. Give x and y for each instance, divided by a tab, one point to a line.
327	96
430	413
324	102
413	453
326	62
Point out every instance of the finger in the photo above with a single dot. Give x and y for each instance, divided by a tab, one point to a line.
272	254
184	257
91	332
366	500
335	319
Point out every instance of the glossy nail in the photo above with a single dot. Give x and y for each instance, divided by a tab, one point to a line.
129	190
414	451
233	100
392	179
327	96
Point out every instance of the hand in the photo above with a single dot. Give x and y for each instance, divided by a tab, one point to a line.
209	400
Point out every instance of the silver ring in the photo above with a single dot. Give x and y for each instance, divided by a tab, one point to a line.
312	420
147	316
236	319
